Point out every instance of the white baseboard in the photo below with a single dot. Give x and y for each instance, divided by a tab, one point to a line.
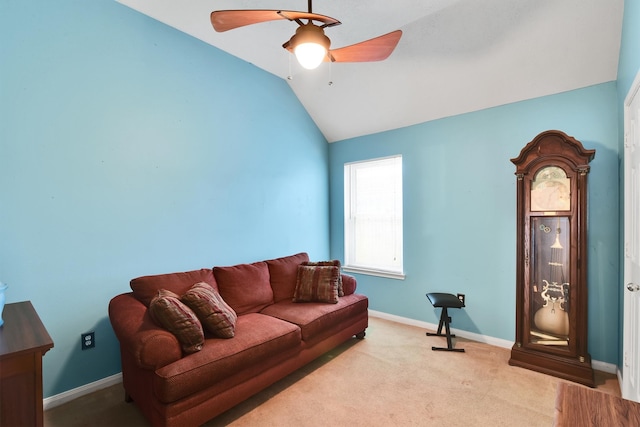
498	342
609	368
620	379
69	395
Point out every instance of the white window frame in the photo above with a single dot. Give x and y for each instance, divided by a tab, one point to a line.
362	258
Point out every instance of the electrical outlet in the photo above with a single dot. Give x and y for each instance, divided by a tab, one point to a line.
88	340
461	298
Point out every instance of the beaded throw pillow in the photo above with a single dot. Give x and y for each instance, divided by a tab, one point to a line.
334	262
317	284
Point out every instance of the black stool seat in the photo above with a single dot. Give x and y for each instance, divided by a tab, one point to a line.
444	301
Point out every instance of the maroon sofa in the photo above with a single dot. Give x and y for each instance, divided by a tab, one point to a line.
274	336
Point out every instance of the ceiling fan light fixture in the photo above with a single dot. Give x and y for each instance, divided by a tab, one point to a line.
310	55
310	45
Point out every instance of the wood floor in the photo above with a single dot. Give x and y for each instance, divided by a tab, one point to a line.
582	406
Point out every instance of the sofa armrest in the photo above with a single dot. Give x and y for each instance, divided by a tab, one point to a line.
150	345
348	284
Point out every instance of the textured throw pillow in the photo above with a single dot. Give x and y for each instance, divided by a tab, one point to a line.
168	311
317	283
215	314
334	262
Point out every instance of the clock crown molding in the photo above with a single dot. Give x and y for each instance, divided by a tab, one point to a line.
554	143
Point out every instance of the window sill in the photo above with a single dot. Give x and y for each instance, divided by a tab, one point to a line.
373	272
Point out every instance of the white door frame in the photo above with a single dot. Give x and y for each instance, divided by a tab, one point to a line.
631	317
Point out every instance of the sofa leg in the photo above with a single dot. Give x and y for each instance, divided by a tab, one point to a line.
127	397
361	335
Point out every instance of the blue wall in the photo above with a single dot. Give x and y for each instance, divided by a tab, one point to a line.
459	208
128	148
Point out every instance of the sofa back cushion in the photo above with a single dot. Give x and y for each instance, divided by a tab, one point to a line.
283	272
145	288
245	287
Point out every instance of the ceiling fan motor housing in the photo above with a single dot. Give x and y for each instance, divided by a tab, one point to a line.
310	45
310	33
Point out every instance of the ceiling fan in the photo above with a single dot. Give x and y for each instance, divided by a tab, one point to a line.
309	43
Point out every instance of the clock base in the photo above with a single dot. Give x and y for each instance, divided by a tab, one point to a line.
567	368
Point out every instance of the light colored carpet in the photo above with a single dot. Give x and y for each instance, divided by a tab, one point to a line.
392	377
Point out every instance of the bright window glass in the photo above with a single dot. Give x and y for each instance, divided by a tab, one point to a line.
373	216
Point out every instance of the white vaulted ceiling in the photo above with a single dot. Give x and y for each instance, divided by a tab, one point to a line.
455	56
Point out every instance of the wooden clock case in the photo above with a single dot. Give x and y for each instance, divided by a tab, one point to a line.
551	269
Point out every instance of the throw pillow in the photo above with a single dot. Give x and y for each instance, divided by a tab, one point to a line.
215	314
334	262
317	283
168	311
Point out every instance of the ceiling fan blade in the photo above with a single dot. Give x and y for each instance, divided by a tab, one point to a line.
376	49
224	20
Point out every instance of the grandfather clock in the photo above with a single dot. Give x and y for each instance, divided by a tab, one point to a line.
551	265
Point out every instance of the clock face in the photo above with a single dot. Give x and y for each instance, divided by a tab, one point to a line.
551	190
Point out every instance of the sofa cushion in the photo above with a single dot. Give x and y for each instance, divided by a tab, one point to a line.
283	273
317	319
168	311
245	287
146	287
257	338
317	283
215	315
335	262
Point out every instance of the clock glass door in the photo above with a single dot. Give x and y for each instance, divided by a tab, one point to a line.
550	282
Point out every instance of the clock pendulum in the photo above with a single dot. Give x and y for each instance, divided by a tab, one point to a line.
552	317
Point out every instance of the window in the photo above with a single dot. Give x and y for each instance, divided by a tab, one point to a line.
373	217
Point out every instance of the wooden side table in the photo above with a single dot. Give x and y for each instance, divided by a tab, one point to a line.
23	342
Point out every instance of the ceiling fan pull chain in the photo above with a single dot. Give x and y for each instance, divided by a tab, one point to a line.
290	76
330	73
